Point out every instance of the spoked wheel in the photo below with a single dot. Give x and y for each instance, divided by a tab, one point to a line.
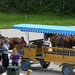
25	64
44	64
67	70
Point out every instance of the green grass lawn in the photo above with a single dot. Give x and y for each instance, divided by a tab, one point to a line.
9	19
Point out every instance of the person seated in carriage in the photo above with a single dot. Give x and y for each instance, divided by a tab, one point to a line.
22	42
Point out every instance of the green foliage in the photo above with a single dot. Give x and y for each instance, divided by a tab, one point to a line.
45	18
35	6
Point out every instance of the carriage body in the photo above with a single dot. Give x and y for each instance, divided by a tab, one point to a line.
57	55
33	50
65	56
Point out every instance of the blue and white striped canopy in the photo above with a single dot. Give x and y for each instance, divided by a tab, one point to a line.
62	30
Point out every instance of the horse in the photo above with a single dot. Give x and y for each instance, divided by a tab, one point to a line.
56	39
14	41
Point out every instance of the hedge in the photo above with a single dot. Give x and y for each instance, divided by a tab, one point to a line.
35	6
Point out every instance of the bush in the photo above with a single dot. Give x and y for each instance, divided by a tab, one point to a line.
35	6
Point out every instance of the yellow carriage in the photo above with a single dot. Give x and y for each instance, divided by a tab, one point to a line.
40	52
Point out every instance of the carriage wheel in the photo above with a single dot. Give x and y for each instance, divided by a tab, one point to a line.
67	70
25	64
44	64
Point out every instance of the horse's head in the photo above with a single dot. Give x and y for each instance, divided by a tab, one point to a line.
47	36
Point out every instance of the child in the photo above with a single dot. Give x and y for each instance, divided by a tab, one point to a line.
2	69
15	56
29	72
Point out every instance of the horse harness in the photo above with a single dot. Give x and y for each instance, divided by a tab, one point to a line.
54	39
70	40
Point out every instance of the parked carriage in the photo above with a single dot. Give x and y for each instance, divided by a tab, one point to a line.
40	52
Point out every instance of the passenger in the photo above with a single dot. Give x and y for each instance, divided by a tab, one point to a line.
2	69
15	56
22	42
29	72
5	49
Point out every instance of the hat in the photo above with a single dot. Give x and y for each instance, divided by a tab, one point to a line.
6	40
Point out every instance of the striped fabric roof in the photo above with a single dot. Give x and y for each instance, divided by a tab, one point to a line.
62	30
